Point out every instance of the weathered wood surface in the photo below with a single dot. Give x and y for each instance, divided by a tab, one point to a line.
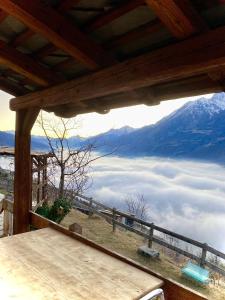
170	287
50	265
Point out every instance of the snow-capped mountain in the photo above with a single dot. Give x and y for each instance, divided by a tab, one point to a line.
196	130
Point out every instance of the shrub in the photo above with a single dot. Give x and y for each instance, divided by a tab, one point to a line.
57	211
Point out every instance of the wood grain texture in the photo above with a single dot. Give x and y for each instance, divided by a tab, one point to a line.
179	16
58	30
189	58
23	176
173	290
50	265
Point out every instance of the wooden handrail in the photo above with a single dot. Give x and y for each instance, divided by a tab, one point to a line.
205	248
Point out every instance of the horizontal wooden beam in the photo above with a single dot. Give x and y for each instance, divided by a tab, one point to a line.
189	58
58	30
23	64
180	17
149	96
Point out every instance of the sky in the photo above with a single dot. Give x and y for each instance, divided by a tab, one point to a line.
93	123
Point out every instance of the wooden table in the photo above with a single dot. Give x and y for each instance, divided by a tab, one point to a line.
48	265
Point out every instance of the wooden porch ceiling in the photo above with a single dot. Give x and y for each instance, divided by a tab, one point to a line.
74	56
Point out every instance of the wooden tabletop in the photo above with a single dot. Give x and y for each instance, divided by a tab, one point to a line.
48	265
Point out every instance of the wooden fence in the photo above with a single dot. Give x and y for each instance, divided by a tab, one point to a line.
152	232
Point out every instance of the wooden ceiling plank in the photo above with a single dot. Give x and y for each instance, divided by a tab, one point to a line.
135	34
192	57
60	32
112	15
65	5
22	37
179	17
23	64
11	87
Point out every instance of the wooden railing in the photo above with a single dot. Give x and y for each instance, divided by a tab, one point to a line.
153	233
6	209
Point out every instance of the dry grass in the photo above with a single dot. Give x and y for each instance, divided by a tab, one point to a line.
126	243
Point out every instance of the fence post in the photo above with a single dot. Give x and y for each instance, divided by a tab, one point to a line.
90	207
203	257
151	231
114	219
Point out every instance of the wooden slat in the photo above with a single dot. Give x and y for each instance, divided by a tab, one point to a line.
178	16
26	66
113	14
58	30
3	15
189	58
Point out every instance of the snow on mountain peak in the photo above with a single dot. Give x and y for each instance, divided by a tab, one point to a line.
203	105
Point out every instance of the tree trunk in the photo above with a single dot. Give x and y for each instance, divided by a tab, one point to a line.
62	183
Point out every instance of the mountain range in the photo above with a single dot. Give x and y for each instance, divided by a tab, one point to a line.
196	131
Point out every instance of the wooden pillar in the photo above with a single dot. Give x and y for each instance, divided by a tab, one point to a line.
23	174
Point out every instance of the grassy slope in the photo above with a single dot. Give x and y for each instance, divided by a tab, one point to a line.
127	243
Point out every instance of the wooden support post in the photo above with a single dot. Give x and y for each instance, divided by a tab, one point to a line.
90	208
38	180
151	231
114	219
23	175
203	257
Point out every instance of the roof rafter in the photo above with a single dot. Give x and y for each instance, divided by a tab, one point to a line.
49	23
23	64
192	57
180	17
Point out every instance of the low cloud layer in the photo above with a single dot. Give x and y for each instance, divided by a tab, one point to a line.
184	196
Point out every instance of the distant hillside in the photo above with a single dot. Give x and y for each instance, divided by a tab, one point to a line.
196	130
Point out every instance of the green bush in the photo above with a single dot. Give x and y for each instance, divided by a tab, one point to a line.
57	211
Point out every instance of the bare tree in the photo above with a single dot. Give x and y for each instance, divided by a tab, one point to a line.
68	169
137	205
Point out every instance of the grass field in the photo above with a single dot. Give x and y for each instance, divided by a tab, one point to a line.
126	243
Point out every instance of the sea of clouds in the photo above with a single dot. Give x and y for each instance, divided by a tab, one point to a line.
187	197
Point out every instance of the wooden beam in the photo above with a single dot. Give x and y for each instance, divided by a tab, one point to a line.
149	96
23	64
179	16
189	58
23	175
113	14
58	30
3	16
